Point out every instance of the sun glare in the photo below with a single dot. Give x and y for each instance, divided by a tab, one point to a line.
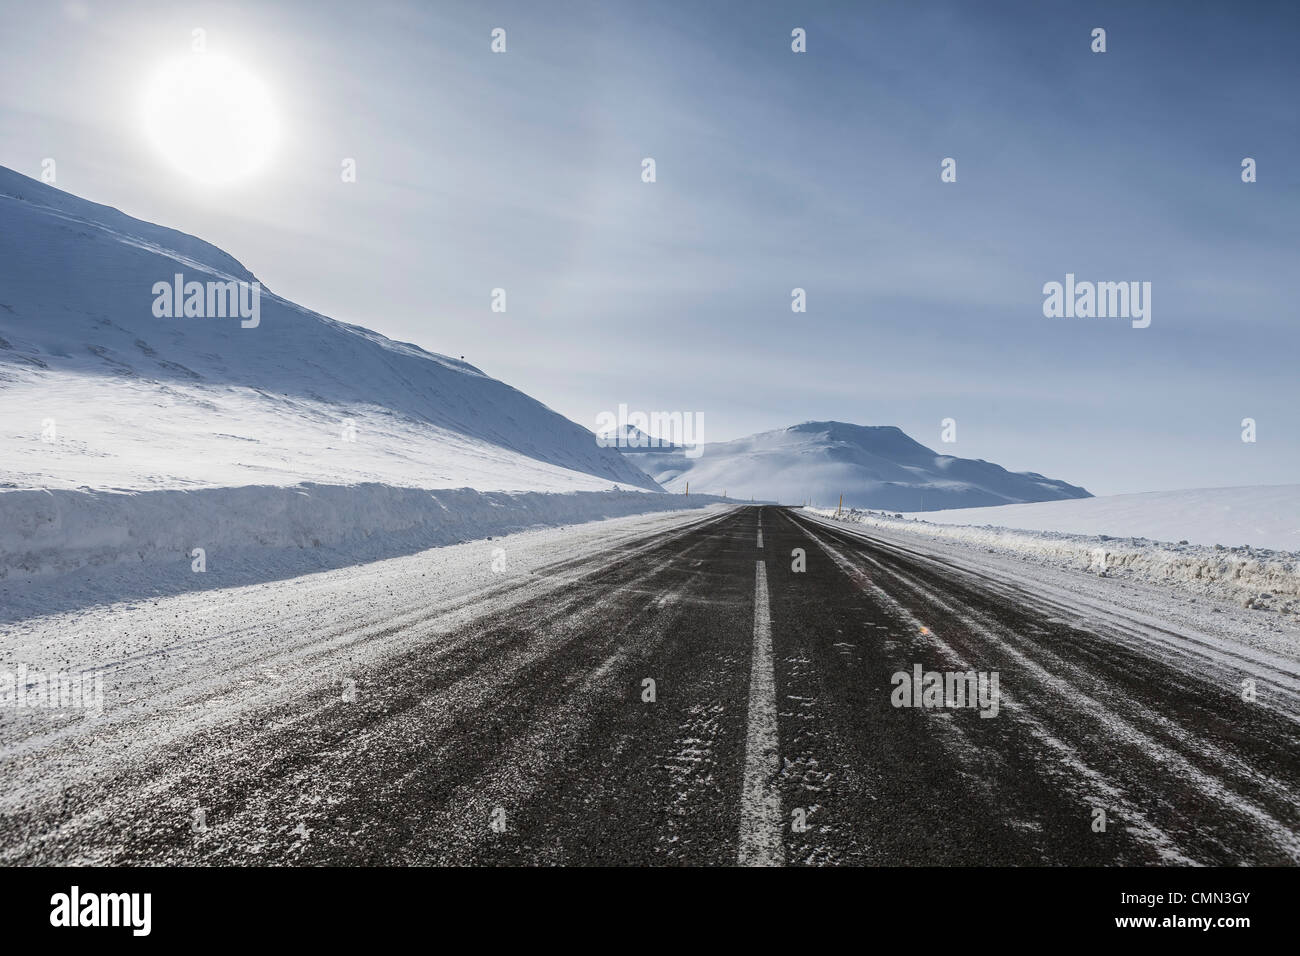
210	118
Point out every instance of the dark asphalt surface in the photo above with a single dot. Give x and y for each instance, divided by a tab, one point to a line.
534	717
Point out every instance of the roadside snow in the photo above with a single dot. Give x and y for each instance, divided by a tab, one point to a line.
1149	610
1264	517
1253	578
87	547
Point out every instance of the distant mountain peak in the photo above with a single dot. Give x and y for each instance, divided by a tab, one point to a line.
872	466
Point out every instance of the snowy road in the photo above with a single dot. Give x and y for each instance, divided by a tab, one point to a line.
434	709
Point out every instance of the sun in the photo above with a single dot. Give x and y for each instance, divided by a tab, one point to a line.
210	118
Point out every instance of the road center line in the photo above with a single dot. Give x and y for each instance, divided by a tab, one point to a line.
760	804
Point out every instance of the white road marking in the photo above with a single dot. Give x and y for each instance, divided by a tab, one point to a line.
760	804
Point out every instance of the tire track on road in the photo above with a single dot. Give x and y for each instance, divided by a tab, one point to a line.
1175	788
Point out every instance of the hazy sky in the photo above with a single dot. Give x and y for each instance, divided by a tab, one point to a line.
775	170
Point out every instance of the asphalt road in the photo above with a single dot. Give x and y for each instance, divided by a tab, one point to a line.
773	735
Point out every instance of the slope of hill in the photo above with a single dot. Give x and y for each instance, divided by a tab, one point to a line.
872	466
98	391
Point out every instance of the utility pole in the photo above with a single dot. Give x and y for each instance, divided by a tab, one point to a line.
841	505
688	489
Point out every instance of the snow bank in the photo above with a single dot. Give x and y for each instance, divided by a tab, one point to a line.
1251	577
57	531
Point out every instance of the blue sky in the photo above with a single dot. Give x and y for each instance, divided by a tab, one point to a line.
775	170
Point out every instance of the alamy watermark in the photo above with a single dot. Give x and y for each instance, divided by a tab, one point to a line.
61	690
208	300
75	908
940	689
1099	300
624	429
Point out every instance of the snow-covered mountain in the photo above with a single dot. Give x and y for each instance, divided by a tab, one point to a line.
872	466
98	390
